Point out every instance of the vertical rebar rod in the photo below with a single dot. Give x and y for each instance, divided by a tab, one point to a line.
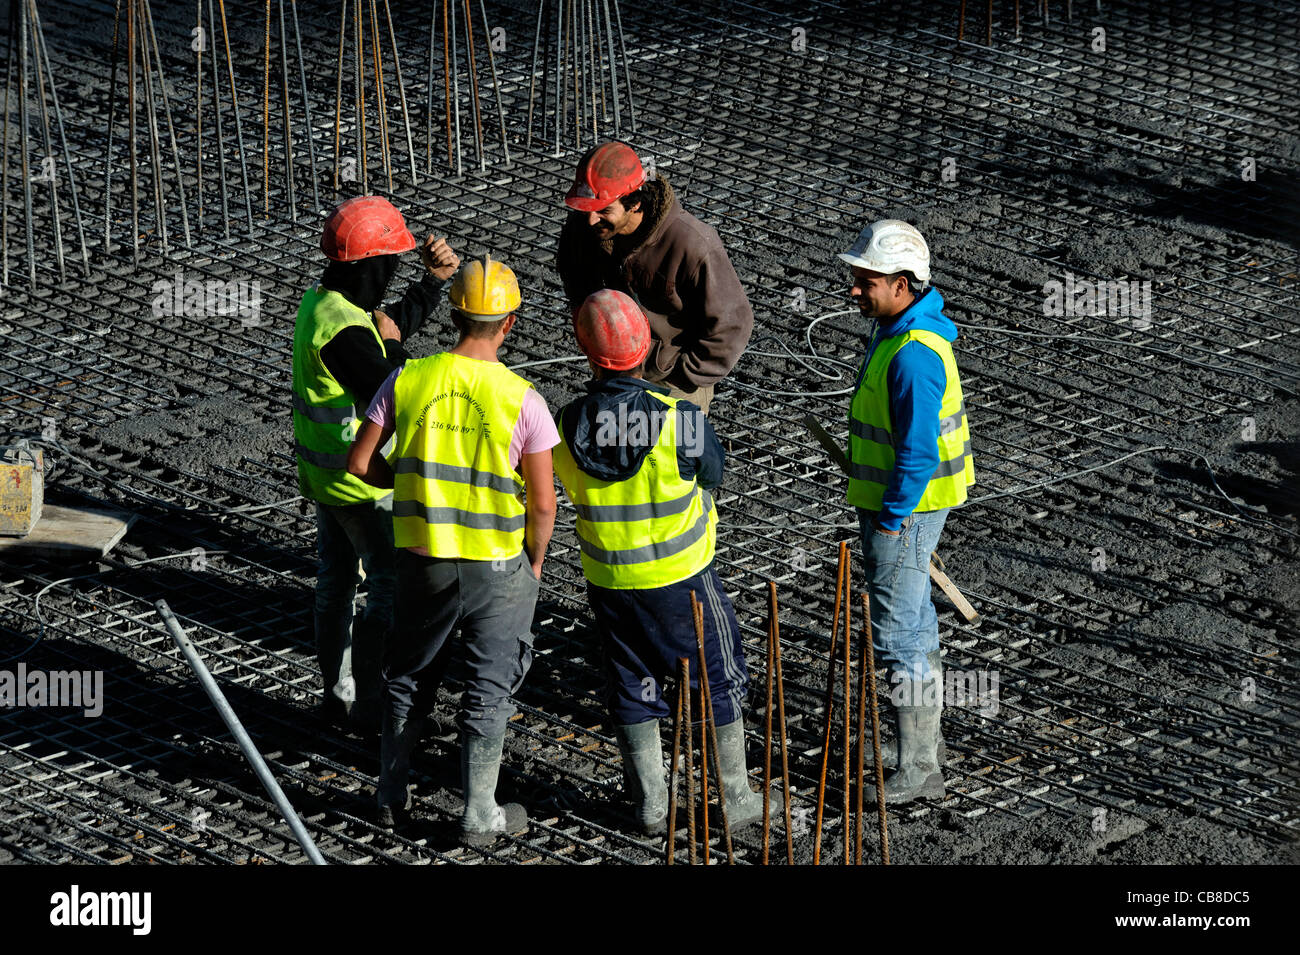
861	741
627	74
151	123
613	70
455	90
198	108
428	93
171	129
292	196
135	178
875	732
338	94
767	736
961	20
830	702
560	88
988	37
47	163
4	172
401	92
446	76
359	98
683	689
593	83
546	67
475	105
234	109
848	712
229	717
496	85
576	60
266	115
216	122
381	97
702	678
112	109
63	140
306	106
532	73
780	716
706	693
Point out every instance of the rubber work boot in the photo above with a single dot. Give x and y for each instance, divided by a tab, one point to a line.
918	775
889	747
484	821
643	774
399	739
742	803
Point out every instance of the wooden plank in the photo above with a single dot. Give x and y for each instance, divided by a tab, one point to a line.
70	533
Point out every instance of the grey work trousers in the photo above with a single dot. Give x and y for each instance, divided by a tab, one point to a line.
476	614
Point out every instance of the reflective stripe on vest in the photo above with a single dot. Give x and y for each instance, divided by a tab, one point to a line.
871	439
650	530
454	490
324	414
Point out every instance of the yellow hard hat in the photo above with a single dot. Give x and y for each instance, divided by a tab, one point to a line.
485	290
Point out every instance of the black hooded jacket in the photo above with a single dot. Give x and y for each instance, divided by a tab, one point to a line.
623	400
353	357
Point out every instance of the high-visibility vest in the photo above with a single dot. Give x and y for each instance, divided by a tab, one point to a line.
325	416
871	439
454	490
650	530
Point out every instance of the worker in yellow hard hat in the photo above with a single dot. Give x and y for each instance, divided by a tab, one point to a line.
470	436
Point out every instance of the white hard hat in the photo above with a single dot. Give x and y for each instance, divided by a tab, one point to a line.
889	246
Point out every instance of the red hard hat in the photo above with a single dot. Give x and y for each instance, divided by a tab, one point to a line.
608	172
365	226
612	330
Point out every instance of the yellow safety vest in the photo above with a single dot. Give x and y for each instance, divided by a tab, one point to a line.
325	417
871	439
455	492
650	530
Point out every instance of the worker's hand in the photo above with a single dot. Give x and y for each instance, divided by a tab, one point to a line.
439	259
883	531
387	327
537	570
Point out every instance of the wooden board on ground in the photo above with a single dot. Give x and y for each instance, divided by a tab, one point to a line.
74	533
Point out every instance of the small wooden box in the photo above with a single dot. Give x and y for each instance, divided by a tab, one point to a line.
22	490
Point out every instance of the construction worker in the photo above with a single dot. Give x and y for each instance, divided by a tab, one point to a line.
470	435
628	232
343	349
910	464
637	464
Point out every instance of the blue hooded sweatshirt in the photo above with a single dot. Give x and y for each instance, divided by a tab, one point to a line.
916	383
622	398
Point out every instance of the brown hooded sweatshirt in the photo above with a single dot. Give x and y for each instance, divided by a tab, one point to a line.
676	268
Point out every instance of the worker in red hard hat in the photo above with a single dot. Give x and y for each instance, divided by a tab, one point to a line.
344	347
627	231
638	463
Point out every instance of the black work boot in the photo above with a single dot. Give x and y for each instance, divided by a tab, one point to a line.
643	774
400	737
483	820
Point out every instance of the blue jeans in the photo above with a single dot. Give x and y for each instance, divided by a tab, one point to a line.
349	656
904	624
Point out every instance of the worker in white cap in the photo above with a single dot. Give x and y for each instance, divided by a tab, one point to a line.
910	464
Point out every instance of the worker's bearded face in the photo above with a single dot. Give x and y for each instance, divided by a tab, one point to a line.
614	220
